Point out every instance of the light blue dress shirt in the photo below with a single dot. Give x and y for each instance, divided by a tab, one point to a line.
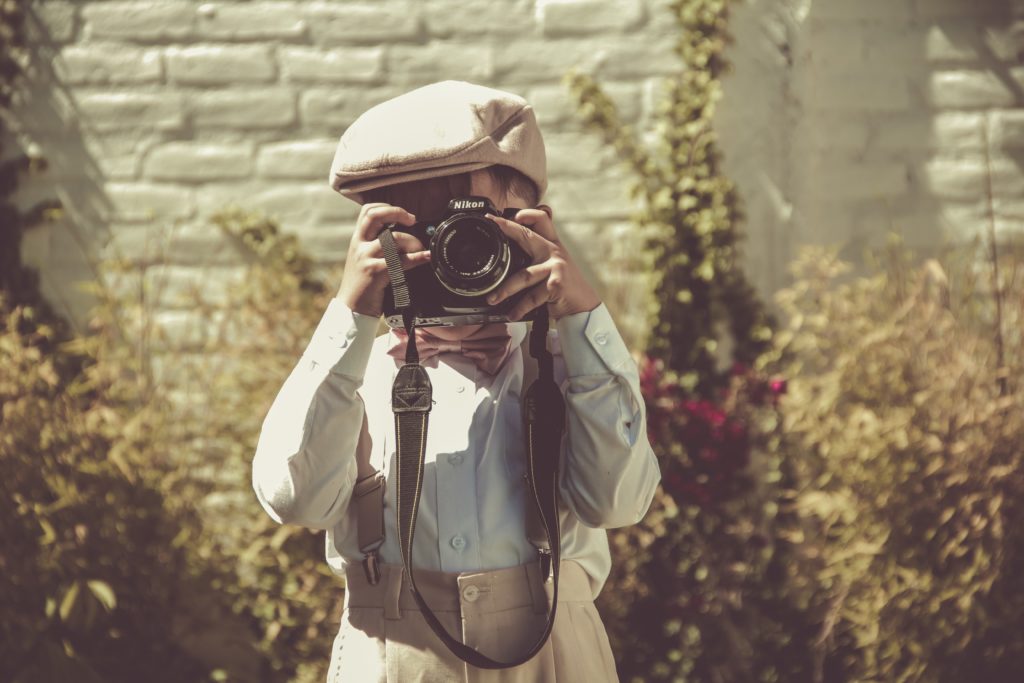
471	514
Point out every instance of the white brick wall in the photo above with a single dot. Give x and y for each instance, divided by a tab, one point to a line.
842	118
845	119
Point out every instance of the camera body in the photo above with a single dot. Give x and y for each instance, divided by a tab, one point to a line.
470	258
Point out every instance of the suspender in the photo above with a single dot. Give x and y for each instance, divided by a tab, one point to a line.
544	420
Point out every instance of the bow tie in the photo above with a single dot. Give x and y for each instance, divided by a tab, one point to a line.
488	347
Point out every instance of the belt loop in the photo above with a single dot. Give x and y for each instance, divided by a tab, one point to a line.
536	585
393	592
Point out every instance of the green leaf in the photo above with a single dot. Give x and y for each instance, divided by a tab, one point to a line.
69	602
104	593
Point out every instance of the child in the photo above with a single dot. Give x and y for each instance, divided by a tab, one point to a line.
330	428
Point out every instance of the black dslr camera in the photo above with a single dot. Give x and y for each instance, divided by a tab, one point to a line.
469	258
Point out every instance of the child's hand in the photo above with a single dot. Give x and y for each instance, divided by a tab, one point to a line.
553	278
366	273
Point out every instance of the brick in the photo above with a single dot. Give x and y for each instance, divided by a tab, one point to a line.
967	89
553	104
185	329
956	179
1006	43
635	58
106	111
95	63
296	203
244	108
858	91
834	131
592	198
422	64
142	202
854	181
215	64
1007	179
543	61
194	161
57	20
335	109
187	244
582	17
1009	222
116	156
132	243
203	243
341	65
271	199
863	10
334	209
472	18
350	23
296	159
639	59
950	132
926	224
326	244
1006	129
177	287
955	9
139	21
834	45
577	154
920	46
250	21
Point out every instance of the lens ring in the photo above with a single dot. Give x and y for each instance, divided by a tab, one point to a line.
470	255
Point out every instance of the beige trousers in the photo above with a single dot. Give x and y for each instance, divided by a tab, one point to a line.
383	636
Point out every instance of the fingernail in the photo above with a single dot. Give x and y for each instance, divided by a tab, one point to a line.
492	299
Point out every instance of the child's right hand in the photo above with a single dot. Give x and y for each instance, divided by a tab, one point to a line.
366	274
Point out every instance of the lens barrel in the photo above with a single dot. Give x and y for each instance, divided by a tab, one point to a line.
469	254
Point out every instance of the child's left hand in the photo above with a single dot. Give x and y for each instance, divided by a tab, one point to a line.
553	278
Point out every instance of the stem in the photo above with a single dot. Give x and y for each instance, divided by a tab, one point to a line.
994	256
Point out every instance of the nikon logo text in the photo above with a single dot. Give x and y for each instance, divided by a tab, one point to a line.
466	204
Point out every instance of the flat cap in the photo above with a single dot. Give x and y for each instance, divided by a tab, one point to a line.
437	130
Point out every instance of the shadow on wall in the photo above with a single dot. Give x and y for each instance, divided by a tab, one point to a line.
909	121
47	123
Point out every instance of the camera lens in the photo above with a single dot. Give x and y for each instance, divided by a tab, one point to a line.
470	255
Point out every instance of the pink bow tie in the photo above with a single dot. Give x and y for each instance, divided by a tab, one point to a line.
488	347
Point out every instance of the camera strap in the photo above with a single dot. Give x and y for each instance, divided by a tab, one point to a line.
544	417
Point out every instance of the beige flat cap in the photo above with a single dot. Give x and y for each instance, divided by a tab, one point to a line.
437	130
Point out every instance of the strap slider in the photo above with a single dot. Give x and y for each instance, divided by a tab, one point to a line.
371	566
544	557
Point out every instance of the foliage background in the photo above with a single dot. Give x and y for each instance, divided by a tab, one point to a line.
841	497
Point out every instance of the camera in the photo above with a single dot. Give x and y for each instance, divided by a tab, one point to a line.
469	258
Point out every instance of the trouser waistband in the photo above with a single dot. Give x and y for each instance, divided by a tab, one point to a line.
466	592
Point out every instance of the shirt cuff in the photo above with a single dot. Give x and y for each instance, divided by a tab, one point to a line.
343	340
591	343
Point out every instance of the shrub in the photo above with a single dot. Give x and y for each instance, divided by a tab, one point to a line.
904	423
93	555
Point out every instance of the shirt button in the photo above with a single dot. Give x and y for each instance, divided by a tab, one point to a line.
470	593
458	542
455	459
460	388
351	334
601	338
